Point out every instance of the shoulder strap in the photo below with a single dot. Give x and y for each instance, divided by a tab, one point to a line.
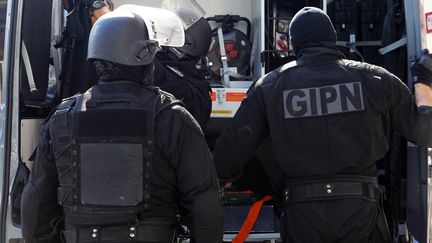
167	100
61	113
289	65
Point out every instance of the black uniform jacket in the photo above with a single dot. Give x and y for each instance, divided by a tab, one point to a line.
324	115
182	164
187	83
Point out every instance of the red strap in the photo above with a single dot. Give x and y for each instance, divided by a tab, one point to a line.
250	220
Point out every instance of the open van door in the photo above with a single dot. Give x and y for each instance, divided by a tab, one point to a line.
8	28
25	101
7	42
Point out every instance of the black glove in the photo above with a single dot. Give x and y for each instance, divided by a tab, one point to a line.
421	69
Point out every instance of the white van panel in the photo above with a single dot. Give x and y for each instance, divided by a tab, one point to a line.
30	131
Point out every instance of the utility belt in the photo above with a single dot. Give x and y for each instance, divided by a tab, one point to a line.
158	230
330	188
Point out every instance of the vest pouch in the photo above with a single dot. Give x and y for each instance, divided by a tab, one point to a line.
111	174
111	147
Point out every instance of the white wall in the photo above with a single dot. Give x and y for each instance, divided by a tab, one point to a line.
212	7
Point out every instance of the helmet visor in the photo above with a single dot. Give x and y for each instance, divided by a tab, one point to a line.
189	11
163	26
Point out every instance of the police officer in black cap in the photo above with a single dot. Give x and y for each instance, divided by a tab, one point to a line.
184	71
328	120
120	162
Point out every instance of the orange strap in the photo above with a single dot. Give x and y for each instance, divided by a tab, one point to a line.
250	220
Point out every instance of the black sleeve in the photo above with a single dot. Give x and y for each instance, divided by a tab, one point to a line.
197	181
414	123
238	143
39	208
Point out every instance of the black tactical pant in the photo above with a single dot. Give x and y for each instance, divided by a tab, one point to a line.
331	221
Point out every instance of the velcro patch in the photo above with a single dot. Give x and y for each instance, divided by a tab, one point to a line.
321	101
112	123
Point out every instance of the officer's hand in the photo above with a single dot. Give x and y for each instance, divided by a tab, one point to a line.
421	69
224	186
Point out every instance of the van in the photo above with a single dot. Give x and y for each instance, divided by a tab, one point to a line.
42	62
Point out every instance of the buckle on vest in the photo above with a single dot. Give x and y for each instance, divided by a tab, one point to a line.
94	234
286	194
132	232
328	188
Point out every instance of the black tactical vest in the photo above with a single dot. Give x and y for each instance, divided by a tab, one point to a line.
103	147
